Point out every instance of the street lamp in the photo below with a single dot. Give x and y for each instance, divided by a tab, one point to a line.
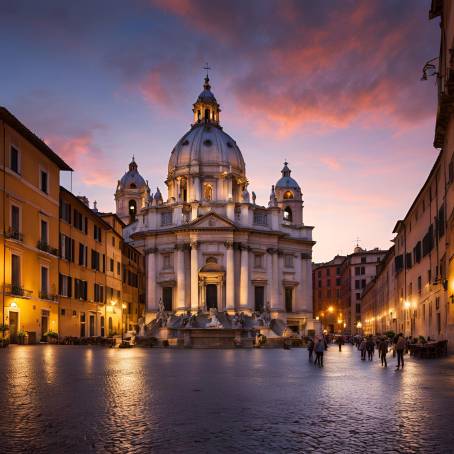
123	306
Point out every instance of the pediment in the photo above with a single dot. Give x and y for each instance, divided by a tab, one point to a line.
212	220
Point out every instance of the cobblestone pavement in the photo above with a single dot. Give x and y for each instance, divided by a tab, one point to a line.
81	399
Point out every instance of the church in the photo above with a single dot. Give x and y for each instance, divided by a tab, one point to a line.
209	244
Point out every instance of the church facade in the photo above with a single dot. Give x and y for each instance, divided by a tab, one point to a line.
208	244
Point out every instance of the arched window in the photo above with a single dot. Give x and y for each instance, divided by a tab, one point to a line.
132	186
208	192
132	207
288	214
288	195
212	260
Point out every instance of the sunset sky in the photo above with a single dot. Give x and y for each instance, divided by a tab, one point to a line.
333	87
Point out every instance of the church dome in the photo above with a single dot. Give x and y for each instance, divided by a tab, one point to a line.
286	181
207	145
132	178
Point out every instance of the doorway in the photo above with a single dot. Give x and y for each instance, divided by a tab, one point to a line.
82	324
288	299
259	293
13	325
167	293
212	296
44	326
102	327
92	325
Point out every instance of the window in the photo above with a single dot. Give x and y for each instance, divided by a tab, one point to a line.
15	219
78	220
319	274
166	218
288	214
43	181
44	232
363	270
167	293
65	285
118	268
288	299
83	254
15	271
132	208
80	289
363	259
44	282
62	311
260	218
338	282
166	264
338	270
419	284
358	308
66	248
288	195
288	261
357	270
358	296
328	272
113	241
99	293
95	262
14	159
97	233
319	284
363	283
111	265
328	282
357	284
258	261
65	211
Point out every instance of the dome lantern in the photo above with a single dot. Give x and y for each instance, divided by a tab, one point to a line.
206	109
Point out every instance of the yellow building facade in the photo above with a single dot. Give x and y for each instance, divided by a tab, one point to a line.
30	230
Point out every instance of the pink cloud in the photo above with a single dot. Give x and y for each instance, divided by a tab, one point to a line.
88	160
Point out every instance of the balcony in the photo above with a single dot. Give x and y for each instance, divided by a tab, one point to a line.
17	290
14	234
44	246
44	295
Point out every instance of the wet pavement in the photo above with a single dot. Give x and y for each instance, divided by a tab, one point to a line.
77	399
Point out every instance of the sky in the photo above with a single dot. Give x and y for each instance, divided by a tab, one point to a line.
332	86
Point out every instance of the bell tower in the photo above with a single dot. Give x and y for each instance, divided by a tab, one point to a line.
289	198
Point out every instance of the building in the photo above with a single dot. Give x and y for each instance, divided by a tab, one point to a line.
30	186
379	301
83	269
338	288
420	275
358	269
327	295
209	244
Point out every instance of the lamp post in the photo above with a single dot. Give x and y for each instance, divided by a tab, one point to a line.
123	306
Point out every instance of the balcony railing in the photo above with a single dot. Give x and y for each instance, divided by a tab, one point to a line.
47	296
14	235
17	290
43	246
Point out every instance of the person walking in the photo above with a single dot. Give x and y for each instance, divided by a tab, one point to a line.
310	348
362	349
400	348
370	348
340	342
383	350
319	350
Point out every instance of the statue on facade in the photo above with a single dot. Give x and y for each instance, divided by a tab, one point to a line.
254	197
214	321
161	318
141	324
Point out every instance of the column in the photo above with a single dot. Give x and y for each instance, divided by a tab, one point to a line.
152	303
269	275
244	277
196	188
275	303
279	286
230	278
194	276
298	302
306	282
181	300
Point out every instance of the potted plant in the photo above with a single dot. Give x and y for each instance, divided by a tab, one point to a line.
22	337
4	335
52	337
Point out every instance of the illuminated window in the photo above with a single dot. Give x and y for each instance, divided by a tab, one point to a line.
132	207
288	215
288	195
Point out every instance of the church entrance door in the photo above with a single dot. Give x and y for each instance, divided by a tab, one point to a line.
212	296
